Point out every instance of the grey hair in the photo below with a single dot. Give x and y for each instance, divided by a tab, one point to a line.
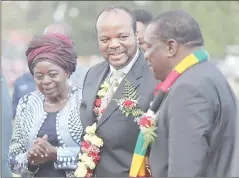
180	26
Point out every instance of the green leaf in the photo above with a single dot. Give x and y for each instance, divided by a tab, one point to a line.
149	136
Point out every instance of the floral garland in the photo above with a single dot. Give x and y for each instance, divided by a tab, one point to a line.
98	101
90	156
128	106
91	144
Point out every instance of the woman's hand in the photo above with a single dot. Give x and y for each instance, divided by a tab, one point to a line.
51	151
36	155
42	151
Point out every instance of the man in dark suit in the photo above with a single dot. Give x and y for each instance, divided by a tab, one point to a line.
116	32
6	124
196	120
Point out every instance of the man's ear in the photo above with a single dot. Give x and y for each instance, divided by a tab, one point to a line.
172	47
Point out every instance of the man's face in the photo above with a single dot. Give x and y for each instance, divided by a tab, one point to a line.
140	34
116	38
156	53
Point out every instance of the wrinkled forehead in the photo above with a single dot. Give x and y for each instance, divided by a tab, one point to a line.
115	17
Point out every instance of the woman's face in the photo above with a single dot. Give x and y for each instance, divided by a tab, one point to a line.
50	79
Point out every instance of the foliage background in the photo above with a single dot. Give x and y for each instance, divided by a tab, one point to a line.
219	20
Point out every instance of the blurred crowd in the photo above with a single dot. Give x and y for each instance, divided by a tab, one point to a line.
14	62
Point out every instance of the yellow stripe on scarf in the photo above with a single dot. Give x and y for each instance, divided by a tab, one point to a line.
137	171
186	63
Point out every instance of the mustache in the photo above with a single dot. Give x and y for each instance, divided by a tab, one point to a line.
111	52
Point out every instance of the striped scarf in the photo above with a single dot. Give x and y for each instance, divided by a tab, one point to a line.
138	161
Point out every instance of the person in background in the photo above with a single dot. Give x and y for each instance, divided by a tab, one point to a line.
143	18
6	127
23	85
47	129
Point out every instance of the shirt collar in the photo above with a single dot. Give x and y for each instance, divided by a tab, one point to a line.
126	68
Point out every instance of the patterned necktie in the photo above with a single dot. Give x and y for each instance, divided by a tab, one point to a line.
116	75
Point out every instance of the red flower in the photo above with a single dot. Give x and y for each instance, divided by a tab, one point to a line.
98	102
94	149
89	173
95	156
96	111
128	103
145	121
102	111
85	144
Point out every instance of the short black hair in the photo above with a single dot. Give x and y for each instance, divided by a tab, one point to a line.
115	8
142	15
180	26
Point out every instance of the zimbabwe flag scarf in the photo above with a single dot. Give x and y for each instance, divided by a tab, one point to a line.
138	162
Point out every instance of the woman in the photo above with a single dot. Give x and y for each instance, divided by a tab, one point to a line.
47	129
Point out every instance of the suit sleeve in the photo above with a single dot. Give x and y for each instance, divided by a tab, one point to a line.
190	122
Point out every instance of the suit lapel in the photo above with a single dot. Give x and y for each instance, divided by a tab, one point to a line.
92	90
133	76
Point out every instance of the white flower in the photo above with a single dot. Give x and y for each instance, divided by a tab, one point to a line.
87	137
84	157
89	162
91	129
81	171
79	155
97	141
143	129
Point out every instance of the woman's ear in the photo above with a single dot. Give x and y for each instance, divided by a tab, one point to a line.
68	74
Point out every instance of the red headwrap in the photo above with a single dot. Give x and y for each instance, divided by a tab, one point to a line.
54	47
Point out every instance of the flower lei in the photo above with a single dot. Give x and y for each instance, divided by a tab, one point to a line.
98	101
90	146
89	157
128	106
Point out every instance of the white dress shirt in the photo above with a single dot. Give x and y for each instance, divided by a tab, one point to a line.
126	68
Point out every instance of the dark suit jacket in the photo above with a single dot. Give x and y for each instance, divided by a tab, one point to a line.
196	132
118	132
